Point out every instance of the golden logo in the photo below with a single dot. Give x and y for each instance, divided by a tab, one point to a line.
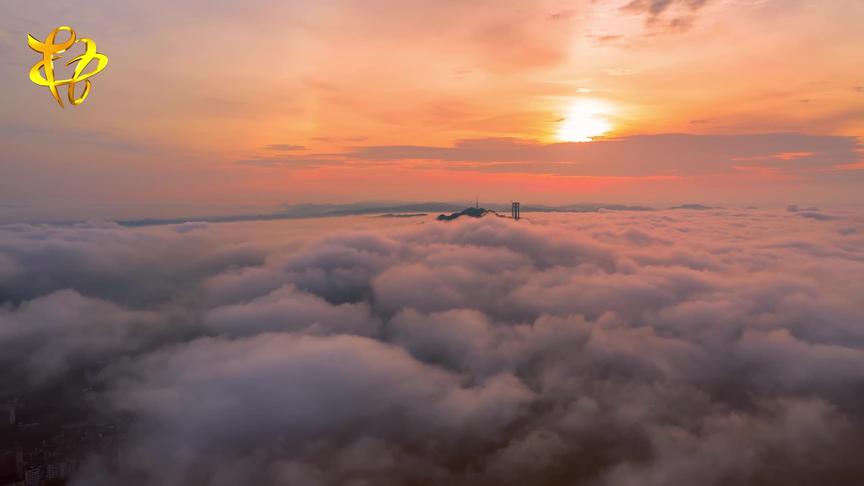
42	73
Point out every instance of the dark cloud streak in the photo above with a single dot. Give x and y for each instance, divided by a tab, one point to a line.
656	11
672	154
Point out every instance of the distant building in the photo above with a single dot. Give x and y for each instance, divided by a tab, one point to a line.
516	211
59	470
11	464
33	476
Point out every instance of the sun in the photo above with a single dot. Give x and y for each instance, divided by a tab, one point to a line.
585	120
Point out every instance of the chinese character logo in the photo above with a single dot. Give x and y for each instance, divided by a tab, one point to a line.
42	73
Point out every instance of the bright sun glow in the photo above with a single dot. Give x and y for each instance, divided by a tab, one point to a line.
584	120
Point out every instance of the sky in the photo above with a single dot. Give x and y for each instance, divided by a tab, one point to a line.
714	338
222	106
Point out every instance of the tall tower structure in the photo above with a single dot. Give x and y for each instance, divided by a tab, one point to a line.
516	211
10	408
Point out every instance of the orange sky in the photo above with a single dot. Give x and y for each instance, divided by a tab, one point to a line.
201	101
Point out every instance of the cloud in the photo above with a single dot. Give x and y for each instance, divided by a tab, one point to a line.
815	215
794	208
86	257
284	147
658	7
293	388
655	11
286	309
302	162
646	155
609	39
59	333
611	348
811	212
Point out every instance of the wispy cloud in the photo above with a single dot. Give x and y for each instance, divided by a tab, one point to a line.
304	161
671	15
648	155
284	147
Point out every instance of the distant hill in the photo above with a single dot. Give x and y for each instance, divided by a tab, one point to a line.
696	207
409	215
304	211
582	208
396	209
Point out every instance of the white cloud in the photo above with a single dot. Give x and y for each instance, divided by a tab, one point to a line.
667	347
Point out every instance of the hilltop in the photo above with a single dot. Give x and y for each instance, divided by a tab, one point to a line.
468	212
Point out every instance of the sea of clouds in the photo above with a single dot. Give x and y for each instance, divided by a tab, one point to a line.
717	347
